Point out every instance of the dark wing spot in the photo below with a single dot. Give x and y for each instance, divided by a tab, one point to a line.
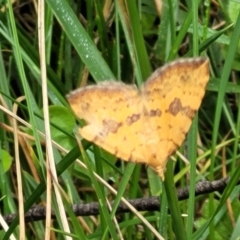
175	107
157	112
131	119
109	126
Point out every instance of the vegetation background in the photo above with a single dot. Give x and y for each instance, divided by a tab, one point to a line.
90	41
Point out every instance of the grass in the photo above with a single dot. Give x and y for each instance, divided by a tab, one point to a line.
92	41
